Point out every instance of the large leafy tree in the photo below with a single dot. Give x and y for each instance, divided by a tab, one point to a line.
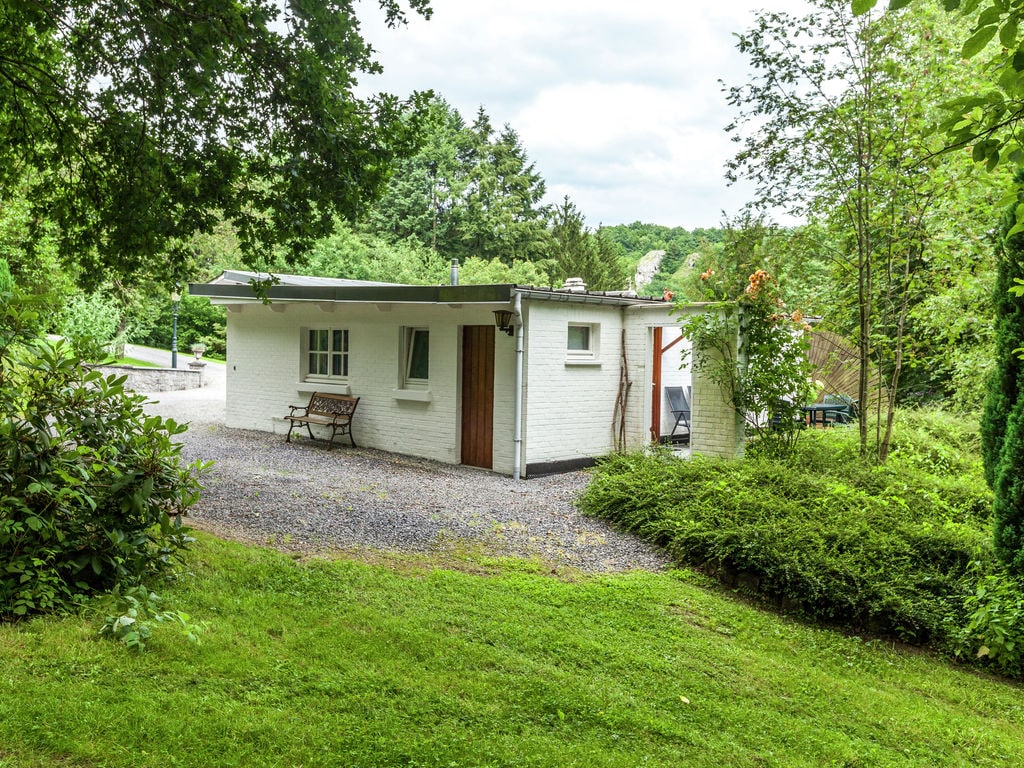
504	217
424	198
834	122
141	122
987	119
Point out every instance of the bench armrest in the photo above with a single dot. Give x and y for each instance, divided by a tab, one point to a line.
303	408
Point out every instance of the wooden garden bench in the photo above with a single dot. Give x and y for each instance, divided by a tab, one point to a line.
325	409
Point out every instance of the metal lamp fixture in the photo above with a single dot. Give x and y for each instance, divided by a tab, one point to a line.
175	299
503	319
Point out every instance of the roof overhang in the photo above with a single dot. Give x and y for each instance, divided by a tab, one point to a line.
370	293
240	288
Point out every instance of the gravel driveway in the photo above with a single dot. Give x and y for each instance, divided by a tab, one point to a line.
300	496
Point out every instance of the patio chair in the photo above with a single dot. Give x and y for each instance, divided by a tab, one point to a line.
679	404
845	411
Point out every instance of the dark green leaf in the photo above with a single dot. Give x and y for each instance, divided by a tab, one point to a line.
978	41
1008	33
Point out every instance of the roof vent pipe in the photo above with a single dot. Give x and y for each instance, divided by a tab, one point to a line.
455	272
574	285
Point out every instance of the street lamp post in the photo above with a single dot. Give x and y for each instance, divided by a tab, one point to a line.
175	298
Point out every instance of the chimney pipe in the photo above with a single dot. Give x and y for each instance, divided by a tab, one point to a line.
455	272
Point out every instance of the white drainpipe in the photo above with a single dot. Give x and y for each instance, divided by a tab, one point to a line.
517	309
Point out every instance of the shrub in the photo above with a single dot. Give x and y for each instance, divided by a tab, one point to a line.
994	630
92	490
91	317
891	550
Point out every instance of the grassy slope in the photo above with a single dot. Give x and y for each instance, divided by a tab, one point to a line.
367	665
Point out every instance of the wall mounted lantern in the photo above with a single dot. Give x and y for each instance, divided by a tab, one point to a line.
503	319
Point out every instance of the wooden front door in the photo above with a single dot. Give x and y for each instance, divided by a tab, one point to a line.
477	395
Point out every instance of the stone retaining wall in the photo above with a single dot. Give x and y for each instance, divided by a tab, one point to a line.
156	379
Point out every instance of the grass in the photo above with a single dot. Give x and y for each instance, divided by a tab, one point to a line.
131	361
475	662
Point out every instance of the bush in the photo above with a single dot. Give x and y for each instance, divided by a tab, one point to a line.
994	630
92	490
891	550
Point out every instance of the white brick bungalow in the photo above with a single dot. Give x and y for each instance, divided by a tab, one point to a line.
576	375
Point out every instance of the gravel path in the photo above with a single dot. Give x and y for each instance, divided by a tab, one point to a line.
300	496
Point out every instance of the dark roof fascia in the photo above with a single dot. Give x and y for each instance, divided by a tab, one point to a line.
587	297
415	294
396	294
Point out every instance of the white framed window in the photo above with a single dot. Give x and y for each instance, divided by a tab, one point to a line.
416	353
582	342
326	353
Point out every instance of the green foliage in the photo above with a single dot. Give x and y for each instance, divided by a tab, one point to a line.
995	625
1006	384
91	317
136	141
199	322
133	613
476	271
1002	425
92	490
985	118
578	252
469	660
757	354
1008	510
893	549
469	191
837	131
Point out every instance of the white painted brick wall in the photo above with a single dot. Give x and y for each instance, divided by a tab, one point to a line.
570	406
568	410
264	370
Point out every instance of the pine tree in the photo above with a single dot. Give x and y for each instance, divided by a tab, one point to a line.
1007	383
1002	426
578	252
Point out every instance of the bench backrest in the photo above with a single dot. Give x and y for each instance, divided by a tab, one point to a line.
332	405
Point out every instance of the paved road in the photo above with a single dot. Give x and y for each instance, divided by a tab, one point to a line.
197	406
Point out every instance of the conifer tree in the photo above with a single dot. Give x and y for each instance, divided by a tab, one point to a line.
1002	427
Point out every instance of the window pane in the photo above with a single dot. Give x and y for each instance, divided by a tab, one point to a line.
579	337
318	364
336	365
340	341
318	340
419	355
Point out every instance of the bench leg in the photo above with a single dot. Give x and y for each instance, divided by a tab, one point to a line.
289	438
310	430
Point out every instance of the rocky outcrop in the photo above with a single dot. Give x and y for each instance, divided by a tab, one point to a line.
647	269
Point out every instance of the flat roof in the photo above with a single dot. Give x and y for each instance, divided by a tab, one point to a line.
234	286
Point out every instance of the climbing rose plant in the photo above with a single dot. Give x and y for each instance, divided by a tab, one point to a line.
756	352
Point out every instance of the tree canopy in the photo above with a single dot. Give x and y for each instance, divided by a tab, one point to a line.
133	124
989	119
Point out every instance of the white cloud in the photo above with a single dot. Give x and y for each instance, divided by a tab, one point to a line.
618	104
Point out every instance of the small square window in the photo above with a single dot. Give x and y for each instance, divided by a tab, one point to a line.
582	343
579	338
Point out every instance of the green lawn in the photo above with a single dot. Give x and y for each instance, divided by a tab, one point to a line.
132	361
482	663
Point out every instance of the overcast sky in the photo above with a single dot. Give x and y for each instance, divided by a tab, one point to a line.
617	102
